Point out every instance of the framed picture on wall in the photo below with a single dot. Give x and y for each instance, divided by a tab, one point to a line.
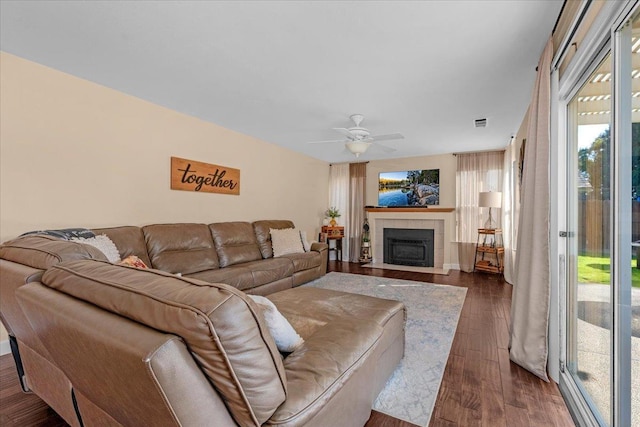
409	188
521	161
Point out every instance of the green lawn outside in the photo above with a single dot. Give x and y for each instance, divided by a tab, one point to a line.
597	270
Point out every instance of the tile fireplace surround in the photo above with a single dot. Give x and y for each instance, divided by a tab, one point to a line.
440	221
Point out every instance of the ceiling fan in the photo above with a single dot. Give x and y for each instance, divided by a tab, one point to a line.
358	139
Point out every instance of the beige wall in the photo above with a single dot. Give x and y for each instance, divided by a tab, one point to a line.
447	164
77	154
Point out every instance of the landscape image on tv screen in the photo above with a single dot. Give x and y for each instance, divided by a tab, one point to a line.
409	188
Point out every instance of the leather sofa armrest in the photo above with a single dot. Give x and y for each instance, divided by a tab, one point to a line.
323	250
319	247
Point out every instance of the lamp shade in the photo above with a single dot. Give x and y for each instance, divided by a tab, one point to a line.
490	199
357	147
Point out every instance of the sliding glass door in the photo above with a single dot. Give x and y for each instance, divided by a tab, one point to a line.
601	374
589	252
627	289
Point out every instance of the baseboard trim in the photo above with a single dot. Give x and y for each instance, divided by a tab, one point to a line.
429	270
5	347
451	266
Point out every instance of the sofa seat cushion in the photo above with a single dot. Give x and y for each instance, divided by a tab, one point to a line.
180	248
304	261
237	276
249	274
306	305
235	242
320	367
269	270
342	331
220	325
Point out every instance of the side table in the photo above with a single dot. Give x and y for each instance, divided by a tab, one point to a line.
333	233
489	255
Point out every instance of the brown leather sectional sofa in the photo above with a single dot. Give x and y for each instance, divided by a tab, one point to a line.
236	253
106	344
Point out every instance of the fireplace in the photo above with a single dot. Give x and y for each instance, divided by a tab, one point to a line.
408	246
440	222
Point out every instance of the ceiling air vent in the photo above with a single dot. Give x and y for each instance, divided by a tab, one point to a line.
481	123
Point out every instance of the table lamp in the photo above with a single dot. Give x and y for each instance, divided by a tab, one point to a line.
490	199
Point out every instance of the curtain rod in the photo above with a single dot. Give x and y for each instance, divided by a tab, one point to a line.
502	150
564	6
563	49
349	163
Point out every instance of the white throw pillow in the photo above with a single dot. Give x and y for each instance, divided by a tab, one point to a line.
286	338
285	241
305	243
105	244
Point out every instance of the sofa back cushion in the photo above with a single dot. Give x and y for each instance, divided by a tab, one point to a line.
128	239
221	327
42	251
261	229
235	242
180	248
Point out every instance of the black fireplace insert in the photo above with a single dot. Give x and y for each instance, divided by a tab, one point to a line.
407	246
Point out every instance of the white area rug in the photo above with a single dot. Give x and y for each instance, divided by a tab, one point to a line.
432	317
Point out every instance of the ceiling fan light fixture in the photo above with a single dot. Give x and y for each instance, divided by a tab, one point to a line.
357	147
358	139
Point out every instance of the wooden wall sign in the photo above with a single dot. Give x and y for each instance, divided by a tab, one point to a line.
189	175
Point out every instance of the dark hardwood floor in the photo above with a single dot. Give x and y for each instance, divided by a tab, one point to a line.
480	387
19	409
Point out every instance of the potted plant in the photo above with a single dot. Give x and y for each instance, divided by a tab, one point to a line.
332	213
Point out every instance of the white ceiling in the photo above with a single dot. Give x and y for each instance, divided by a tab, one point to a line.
288	71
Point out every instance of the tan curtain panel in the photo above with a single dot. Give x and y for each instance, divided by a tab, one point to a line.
466	256
510	207
339	198
476	172
357	181
528	345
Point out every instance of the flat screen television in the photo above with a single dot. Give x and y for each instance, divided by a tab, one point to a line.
409	188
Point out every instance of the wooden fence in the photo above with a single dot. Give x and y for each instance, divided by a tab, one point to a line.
594	219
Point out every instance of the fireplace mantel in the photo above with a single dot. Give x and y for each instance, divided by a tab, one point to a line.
442	220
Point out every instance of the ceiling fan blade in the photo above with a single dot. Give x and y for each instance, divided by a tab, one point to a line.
345	132
384	147
327	141
387	137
